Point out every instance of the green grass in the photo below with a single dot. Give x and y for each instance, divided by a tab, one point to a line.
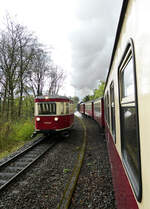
22	130
13	135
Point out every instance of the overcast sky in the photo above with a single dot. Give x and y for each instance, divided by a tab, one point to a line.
81	32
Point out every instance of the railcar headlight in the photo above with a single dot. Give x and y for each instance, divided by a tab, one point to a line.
56	119
37	119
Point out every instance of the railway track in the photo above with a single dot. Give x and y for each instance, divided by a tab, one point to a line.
15	166
70	187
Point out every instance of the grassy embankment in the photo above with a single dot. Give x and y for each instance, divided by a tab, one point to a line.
13	135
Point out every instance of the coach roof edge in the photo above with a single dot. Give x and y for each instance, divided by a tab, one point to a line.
120	23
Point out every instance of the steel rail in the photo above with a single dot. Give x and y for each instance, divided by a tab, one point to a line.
22	156
22	152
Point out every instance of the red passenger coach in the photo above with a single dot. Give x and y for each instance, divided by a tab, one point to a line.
89	109
99	111
94	109
53	113
127	102
82	108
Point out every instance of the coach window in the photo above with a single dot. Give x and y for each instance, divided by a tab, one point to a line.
97	107
108	117
105	107
112	103
129	119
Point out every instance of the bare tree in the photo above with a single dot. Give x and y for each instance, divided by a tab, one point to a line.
26	57
8	63
38	71
15	56
25	68
55	80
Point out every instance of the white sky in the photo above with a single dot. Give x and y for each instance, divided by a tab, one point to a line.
55	23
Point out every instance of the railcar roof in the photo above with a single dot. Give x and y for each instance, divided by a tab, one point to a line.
51	97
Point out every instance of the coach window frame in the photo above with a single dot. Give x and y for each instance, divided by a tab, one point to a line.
112	109
105	106
97	107
107	109
130	102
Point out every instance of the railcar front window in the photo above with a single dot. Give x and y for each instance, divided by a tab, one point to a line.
46	108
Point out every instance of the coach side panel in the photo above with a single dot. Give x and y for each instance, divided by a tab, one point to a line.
134	27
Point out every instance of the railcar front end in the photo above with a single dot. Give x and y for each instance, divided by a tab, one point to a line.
54	113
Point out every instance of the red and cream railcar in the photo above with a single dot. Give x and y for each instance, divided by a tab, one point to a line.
127	104
53	113
98	115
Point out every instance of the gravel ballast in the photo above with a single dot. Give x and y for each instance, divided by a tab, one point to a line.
43	185
94	188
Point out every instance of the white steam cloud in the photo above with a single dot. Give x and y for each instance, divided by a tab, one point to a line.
92	42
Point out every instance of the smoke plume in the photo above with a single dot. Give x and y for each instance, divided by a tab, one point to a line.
92	42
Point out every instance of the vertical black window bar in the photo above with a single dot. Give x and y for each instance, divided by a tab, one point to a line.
112	103
105	107
108	116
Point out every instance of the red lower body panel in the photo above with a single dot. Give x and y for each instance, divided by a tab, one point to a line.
123	193
48	123
88	112
99	118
